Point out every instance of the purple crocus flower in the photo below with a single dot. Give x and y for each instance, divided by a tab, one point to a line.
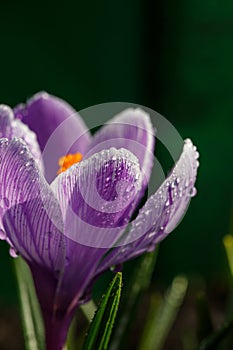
64	225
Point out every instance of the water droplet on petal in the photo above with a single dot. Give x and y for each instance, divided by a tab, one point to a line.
177	180
147	212
13	252
186	183
29	163
3	142
193	192
128	188
116	268
188	142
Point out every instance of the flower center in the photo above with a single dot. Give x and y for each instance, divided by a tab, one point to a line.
68	160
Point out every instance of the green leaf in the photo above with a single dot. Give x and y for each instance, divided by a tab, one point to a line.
228	244
133	290
33	327
101	326
160	319
88	310
76	334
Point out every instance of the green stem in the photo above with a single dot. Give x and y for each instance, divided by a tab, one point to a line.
160	319
30	311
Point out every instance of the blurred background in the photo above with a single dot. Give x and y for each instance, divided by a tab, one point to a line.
175	57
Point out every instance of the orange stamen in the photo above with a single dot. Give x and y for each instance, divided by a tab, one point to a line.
68	160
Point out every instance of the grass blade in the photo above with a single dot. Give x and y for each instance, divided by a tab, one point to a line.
30	310
101	326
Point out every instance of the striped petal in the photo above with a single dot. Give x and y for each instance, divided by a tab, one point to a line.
12	127
29	211
96	196
132	130
162	212
59	128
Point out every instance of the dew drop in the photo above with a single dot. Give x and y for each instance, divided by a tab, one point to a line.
150	235
177	180
4	142
188	142
128	188
116	268
193	192
13	252
147	212
186	183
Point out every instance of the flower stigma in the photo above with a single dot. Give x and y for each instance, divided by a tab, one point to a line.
67	161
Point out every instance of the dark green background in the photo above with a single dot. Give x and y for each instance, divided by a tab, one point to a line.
173	56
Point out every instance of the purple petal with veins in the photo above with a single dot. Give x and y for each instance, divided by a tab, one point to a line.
72	231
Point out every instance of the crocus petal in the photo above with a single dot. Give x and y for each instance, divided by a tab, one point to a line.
12	127
96	199
96	196
132	130
33	225
30	212
162	212
59	128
